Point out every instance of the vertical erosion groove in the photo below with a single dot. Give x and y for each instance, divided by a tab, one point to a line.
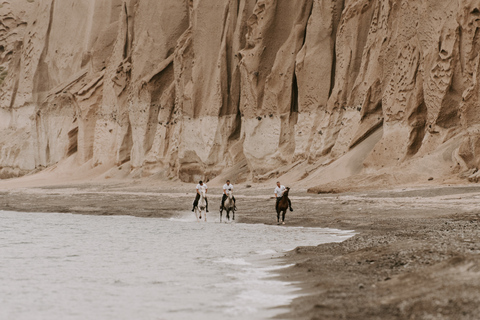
418	122
41	78
125	47
294	101
126	147
47	154
334	68
235	135
17	66
338	6
72	141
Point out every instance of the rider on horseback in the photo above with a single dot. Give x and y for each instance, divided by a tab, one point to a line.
227	187
279	194
200	186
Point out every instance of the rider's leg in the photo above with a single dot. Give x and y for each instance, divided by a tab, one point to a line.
206	203
234	203
224	197
195	202
290	205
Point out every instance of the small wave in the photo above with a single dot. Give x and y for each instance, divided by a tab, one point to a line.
264	298
265	252
272	268
233	261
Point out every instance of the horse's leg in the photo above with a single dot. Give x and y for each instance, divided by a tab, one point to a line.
196	212
221	211
283	216
228	213
278	216
205	213
233	212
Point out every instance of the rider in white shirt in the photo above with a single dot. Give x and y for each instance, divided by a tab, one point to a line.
227	187
279	194
200	186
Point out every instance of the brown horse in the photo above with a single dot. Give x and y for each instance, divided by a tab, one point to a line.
283	206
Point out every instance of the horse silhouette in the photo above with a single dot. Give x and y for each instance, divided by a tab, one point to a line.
282	206
228	206
200	208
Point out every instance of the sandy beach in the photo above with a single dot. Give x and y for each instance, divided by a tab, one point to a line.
415	254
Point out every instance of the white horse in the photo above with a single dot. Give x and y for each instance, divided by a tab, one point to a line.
200	209
228	206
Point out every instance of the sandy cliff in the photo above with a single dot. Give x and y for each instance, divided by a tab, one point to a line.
313	91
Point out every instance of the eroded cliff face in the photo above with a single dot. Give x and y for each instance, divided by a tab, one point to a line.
194	89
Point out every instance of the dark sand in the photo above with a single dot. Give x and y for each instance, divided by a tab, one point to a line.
416	254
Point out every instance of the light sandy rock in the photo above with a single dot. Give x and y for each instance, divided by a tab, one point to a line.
312	90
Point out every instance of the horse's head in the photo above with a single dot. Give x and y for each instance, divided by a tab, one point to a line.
230	194
202	193
285	193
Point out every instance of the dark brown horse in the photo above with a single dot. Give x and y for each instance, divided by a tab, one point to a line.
283	206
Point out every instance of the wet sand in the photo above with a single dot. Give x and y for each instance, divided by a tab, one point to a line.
416	254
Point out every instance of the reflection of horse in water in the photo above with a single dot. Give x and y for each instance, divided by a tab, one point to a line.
200	208
283	206
228	206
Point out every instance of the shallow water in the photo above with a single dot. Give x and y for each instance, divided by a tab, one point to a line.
64	266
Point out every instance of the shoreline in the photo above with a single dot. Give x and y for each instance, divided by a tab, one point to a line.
416	252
